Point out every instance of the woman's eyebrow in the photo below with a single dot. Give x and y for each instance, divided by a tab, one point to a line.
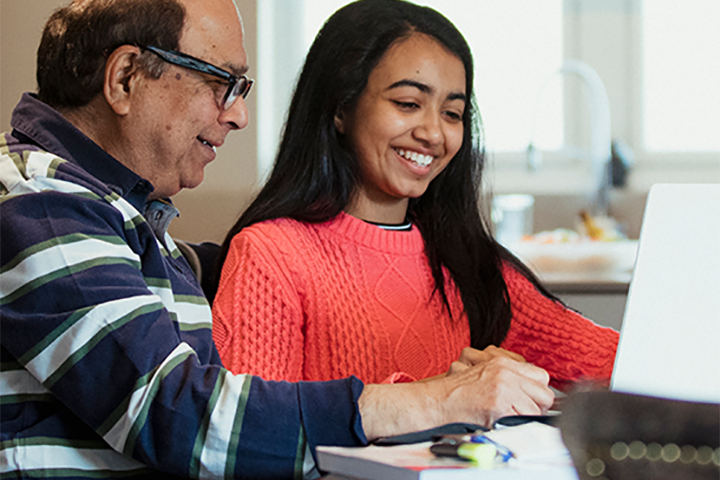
411	83
425	89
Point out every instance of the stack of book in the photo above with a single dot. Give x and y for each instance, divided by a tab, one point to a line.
537	453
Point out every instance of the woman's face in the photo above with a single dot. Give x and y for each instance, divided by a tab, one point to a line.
406	127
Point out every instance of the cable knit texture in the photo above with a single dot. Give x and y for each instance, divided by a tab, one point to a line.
324	301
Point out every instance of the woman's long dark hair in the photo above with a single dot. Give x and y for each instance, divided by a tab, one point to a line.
315	174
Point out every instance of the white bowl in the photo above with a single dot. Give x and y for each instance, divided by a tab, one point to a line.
580	256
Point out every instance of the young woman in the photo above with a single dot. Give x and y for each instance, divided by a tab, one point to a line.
366	252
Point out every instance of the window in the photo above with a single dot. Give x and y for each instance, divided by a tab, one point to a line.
681	81
515	43
659	61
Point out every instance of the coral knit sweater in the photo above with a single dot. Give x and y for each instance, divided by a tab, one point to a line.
325	301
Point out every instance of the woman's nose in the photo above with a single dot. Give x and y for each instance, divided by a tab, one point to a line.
429	129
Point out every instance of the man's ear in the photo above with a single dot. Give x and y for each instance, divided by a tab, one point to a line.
121	75
340	122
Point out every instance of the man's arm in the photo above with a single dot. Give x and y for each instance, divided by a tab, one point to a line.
481	394
110	347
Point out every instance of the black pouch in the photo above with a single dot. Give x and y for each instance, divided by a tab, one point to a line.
616	436
430	434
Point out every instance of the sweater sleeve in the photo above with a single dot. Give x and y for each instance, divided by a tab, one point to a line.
257	317
570	347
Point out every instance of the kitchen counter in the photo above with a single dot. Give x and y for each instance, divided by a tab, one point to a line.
600	283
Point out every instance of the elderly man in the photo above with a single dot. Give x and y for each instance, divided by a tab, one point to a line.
107	363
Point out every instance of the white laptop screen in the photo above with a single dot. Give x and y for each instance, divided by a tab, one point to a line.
670	338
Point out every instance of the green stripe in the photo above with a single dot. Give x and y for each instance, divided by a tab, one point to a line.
134	222
97	338
300	455
11	366
193	327
54	242
54	441
86	194
26	398
20	163
194	471
77	473
158	282
63	272
123	406
175	254
54	165
237	429
152	392
52	336
192	299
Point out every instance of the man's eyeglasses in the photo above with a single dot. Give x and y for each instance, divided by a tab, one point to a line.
237	86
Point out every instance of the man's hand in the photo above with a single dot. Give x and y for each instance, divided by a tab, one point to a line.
490	389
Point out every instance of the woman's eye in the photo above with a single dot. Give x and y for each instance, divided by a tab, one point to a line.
407	105
454	116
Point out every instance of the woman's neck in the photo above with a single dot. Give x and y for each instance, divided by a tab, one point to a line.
388	213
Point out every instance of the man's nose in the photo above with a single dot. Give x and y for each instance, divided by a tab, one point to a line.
237	116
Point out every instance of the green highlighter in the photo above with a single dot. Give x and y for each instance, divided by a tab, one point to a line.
481	454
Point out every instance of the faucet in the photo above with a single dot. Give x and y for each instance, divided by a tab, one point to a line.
600	135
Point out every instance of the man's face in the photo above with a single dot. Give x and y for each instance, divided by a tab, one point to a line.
176	121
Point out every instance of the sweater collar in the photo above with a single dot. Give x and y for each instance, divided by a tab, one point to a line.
48	129
362	233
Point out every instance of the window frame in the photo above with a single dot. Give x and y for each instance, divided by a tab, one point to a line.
601	33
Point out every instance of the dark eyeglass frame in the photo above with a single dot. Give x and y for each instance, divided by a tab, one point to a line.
238	86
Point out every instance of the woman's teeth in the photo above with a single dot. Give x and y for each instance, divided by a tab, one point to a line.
416	158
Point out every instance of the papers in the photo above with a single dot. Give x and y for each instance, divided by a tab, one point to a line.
540	454
532	442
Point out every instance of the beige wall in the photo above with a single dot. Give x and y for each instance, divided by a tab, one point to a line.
207	211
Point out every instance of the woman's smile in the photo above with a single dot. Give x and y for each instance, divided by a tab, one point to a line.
406	127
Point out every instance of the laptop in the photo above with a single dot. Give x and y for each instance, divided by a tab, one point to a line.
670	337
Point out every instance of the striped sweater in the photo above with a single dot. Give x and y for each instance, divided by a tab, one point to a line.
107	366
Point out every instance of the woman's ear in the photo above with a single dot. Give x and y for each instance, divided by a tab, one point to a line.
121	74
340	122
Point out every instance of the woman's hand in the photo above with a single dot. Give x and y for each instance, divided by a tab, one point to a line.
471	356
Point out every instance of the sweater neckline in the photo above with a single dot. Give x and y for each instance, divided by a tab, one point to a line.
368	235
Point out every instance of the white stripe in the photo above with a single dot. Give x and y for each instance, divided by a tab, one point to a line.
170	243
309	468
214	453
166	297
187	313
125	208
60	256
20	382
75	337
38	164
40	184
193	314
31	457
117	435
11	177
